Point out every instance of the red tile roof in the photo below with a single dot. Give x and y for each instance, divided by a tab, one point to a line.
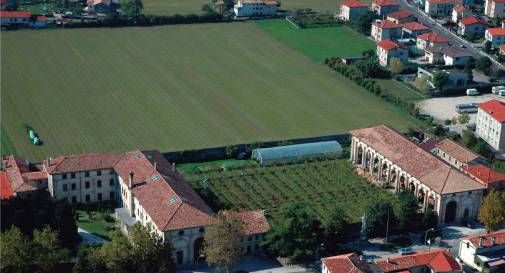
386	3
433	37
17	172
459	8
472	20
458	151
485	174
427	168
440	1
41	18
386	24
496	31
502	48
495	108
80	163
487	239
354	4
347	263
437	260
15	14
254	222
400	14
415	26
389	45
5	186
429	144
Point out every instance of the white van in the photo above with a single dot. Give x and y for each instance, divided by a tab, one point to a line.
497	89
502	92
472	92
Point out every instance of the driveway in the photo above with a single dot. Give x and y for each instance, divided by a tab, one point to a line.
90	238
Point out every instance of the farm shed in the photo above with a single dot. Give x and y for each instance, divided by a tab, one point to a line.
297	152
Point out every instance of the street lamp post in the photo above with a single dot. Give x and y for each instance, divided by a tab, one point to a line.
426	237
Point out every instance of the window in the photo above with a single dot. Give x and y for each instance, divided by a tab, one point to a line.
249	238
72	175
111	195
86	184
99	172
73	186
111	172
256	237
87	198
181	232
64	186
111	182
99	197
201	230
64	176
74	199
86	174
99	183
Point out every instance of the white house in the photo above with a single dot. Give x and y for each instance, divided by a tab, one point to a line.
496	36
489	123
401	17
484	252
439	7
431	39
255	8
455	56
494	8
387	49
352	9
472	26
459	11
384	7
385	30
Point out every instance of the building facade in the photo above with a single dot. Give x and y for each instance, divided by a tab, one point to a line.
439	7
494	8
352	9
401	17
484	252
387	50
496	36
457	155
385	30
489	123
255	8
430	39
472	26
414	29
384	7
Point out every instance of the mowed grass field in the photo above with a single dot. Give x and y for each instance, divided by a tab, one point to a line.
171	88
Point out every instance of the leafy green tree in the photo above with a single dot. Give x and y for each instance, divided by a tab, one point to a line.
464	118
406	210
482	148
468	138
380	215
429	219
149	251
439	79
487	46
132	8
396	66
116	254
492	210
363	23
222	241
334	229
89	260
47	250
296	235
369	53
15	251
421	83
484	65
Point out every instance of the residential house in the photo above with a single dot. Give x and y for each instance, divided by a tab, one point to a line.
387	49
103	6
472	26
439	7
384	7
6	191
434	55
434	261
352	9
455	55
485	252
39	21
459	11
457	77
15	18
21	177
489	123
494	8
385	30
401	17
431	39
255	226
488	177
255	8
345	263
457	155
414	29
496	36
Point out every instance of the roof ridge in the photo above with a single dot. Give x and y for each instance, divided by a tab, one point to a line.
173	214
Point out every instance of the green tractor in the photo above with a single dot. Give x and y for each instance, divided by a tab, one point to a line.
34	138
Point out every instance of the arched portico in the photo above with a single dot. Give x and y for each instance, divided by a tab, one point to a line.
450	211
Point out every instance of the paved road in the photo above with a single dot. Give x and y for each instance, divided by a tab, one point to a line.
453	38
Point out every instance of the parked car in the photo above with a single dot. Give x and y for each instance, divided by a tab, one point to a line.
502	92
472	92
497	89
467	108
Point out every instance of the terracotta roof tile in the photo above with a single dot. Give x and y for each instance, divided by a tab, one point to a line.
347	263
473	20
400	14
17	172
15	14
386	24
389	45
254	222
79	163
437	260
354	4
487	239
457	151
386	3
5	186
495	108
484	174
424	166
496	31
415	26
433	37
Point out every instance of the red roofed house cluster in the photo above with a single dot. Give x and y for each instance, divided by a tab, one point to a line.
472	26
431	39
350	10
386	157
489	123
485	251
148	188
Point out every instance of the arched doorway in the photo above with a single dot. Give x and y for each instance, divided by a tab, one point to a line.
450	211
197	249
360	155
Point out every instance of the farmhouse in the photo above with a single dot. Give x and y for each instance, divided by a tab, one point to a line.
414	29
486	176
494	8
387	49
431	39
456	154
485	252
496	36
384	7
147	187
437	260
345	263
489	124
385	30
472	26
401	17
255	8
352	9
386	157
459	11
439	7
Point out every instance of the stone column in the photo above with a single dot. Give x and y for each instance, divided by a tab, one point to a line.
425	201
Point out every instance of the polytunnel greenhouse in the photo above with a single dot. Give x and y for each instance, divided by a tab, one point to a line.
298	152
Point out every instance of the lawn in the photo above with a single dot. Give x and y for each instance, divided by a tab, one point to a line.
320	184
171	88
100	224
318	43
401	90
170	7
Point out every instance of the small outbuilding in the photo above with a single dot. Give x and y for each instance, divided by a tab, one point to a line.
297	152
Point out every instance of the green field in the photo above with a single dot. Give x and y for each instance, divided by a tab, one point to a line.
171	88
318	43
97	225
401	90
321	184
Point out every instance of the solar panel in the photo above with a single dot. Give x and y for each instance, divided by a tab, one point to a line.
155	177
172	200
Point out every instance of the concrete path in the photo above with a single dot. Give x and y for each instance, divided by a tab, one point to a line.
90	238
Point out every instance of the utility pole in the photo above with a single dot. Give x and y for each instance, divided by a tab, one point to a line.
387	227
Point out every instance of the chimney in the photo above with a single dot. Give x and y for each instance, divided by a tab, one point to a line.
49	161
155	165
173	167
130	179
480	241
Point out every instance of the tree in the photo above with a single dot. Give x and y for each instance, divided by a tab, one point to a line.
132	8
116	254
421	83
379	216
406	210
482	148
47	250
334	229
492	210
222	241
396	66
296	235
149	252
483	64
15	251
468	138
369	53
439	79
89	260
429	219
487	46
363	23
464	118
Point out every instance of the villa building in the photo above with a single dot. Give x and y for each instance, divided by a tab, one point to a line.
457	155
472	26
387	158
489	124
431	39
255	8
496	36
